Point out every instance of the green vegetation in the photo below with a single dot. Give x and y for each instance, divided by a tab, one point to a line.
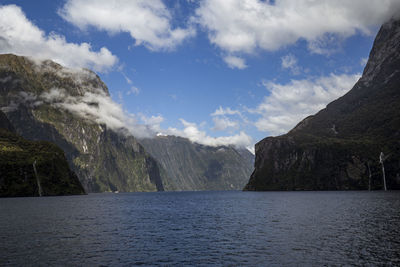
104	160
17	175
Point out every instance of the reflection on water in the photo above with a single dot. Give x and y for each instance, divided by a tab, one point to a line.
202	228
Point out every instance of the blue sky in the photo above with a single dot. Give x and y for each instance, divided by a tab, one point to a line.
215	71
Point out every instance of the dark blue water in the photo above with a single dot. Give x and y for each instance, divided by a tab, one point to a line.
202	228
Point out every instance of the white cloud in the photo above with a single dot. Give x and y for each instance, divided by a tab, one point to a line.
220	111
20	36
100	108
97	106
290	62
245	26
152	123
235	62
287	104
147	21
194	134
152	120
93	104
223	123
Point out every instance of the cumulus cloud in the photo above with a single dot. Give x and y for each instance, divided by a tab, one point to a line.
20	36
223	123
152	122
235	62
194	134
245	26
287	104
290	62
220	111
148	22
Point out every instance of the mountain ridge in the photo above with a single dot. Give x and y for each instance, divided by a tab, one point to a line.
190	166
46	101
33	94
338	148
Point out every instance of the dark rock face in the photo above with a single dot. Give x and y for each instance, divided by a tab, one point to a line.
103	159
33	168
190	166
5	124
339	147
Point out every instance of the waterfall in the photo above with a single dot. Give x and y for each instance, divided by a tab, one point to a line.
384	178
37	179
381	160
370	175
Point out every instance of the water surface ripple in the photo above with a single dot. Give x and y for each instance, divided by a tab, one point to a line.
202	228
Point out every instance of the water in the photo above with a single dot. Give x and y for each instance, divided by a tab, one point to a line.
202	228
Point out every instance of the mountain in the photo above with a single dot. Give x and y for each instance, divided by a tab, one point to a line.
45	101
339	147
189	166
33	168
72	109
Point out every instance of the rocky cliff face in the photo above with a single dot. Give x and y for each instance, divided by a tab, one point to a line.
41	99
33	168
339	147
191	166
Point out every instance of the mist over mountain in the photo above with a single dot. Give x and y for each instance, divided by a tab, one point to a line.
72	108
45	101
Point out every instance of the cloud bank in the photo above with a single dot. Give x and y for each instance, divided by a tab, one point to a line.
100	108
244	26
194	134
148	22
96	106
20	36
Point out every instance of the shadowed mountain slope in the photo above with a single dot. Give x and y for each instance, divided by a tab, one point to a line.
339	147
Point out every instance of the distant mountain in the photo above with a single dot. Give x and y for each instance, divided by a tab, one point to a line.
45	101
191	166
339	147
34	97
33	168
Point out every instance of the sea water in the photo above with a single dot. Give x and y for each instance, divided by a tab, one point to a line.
202	228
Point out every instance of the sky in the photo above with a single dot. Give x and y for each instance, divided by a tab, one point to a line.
219	72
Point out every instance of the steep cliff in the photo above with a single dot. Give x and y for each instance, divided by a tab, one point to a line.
191	166
33	168
339	147
45	101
